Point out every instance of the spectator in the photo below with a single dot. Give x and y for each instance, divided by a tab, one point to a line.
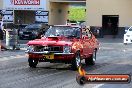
1	24
114	30
1	38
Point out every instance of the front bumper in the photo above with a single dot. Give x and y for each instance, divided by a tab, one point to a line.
47	52
63	57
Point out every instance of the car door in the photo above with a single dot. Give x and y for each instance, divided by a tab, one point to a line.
85	41
89	42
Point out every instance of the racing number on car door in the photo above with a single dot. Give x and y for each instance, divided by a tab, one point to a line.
86	41
89	41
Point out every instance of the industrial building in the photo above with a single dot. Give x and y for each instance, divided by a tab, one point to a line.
109	16
24	11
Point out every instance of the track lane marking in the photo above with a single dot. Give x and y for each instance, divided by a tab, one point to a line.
12	57
98	86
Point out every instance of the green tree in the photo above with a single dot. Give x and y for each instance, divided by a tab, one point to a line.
77	13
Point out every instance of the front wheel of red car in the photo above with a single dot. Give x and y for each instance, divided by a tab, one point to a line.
32	63
76	61
91	60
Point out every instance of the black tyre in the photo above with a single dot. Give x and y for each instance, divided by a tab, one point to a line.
32	63
92	59
76	61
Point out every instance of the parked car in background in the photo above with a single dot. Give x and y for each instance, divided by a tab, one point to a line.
128	35
67	44
33	31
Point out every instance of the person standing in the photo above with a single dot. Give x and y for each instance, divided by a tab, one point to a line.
1	37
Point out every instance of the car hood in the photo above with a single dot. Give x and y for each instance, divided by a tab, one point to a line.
51	41
30	29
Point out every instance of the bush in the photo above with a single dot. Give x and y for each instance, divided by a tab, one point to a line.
77	13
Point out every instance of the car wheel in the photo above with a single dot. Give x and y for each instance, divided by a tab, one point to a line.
32	63
91	60
76	61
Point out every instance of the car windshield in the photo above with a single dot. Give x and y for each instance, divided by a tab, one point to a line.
69	32
130	29
33	26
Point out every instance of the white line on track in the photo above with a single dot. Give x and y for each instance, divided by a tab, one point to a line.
98	86
12	57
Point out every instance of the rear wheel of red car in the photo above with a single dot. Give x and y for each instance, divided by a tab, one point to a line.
92	59
32	63
76	61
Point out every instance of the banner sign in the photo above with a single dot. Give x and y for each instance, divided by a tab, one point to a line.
42	16
83	77
7	16
25	4
39	13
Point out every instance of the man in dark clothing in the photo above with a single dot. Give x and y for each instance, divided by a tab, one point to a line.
1	34
114	30
1	37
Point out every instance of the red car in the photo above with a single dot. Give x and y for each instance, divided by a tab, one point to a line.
66	44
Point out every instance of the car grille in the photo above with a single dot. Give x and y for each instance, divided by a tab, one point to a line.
27	32
48	48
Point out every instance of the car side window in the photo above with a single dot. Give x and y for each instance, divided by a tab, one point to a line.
78	33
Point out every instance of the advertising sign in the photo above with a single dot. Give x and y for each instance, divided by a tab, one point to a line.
25	4
7	16
42	16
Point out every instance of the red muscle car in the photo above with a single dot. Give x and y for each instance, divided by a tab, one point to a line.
66	44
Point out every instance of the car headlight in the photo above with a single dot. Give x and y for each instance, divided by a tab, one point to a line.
30	48
66	49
